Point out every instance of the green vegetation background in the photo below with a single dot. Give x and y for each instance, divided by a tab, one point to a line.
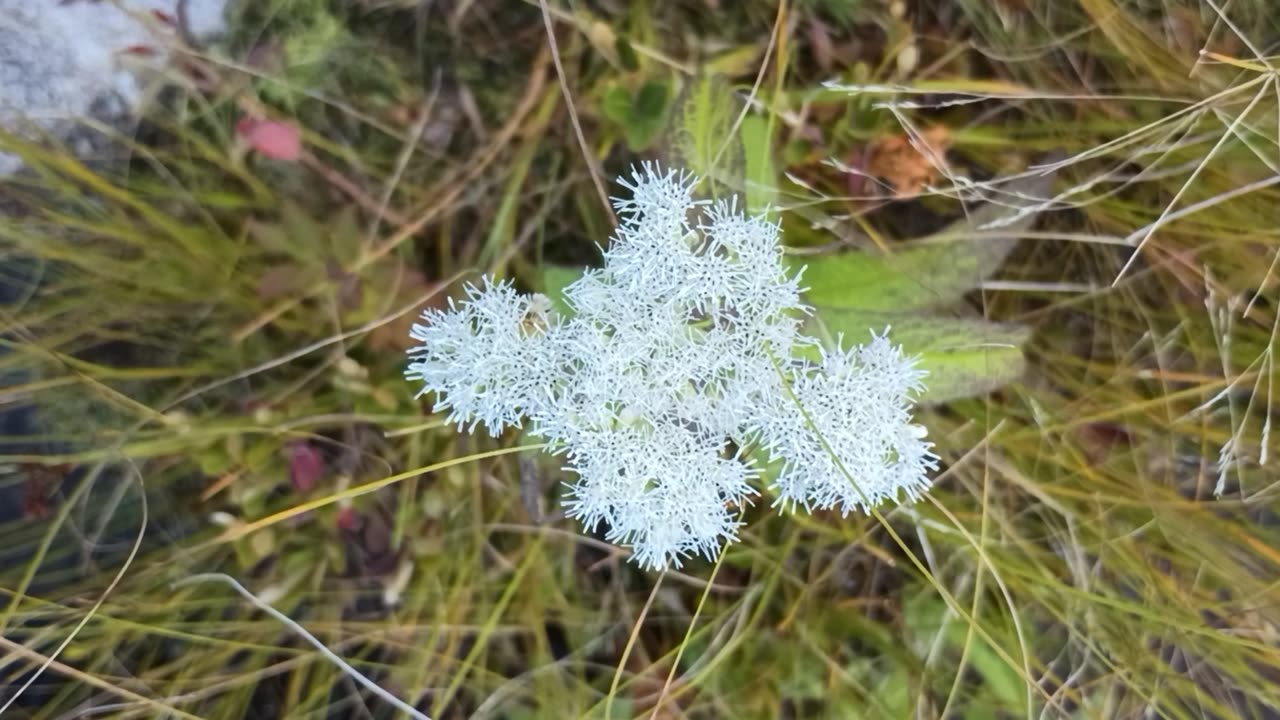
214	345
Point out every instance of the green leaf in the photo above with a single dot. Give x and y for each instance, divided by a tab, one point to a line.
803	673
616	104
897	693
936	272
642	115
502	228
1002	681
736	62
648	114
701	121
627	57
925	616
919	277
761	175
927	273
651	100
555	278
964	357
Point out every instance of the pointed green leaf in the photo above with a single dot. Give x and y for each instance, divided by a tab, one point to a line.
616	104
761	175
736	62
927	273
627	56
651	100
699	134
647	115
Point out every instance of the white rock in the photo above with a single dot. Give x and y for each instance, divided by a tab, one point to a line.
62	61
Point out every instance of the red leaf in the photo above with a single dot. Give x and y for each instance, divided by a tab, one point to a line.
271	138
348	519
306	466
42	487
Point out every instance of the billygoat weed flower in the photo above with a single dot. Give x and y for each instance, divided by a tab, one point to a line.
680	355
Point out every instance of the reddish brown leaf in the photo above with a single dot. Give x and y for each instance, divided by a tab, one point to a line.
903	165
349	519
43	483
306	466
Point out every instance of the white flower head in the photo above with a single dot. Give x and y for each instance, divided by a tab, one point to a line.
663	491
846	438
680	355
485	358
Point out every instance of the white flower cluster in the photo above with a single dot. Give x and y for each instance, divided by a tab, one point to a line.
680	355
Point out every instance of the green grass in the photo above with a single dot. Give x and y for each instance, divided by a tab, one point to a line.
205	313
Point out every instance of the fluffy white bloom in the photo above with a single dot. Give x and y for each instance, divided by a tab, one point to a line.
662	490
486	360
846	438
680	348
